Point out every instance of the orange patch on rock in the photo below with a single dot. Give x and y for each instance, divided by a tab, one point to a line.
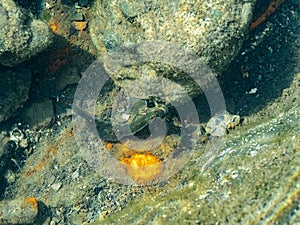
70	133
109	146
54	26
35	169
33	201
52	150
142	167
79	25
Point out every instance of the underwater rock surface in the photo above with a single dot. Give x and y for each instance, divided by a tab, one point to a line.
21	35
255	178
215	30
14	87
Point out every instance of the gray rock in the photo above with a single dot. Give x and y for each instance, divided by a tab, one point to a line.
56	186
14	88
67	77
132	9
21	36
214	30
39	114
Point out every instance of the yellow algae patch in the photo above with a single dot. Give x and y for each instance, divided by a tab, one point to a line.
142	167
79	25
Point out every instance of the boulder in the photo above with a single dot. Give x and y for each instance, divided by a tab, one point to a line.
170	39
21	35
215	30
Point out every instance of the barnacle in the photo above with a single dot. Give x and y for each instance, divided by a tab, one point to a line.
142	167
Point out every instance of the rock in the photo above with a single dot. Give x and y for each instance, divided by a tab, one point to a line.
56	186
159	37
215	30
7	149
10	177
229	179
21	35
295	2
132	9
39	114
260	156
67	77
18	211
14	88
16	135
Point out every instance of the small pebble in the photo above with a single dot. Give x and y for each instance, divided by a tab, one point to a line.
10	176
75	175
56	186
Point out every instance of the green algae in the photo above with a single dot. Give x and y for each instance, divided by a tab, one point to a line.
45	16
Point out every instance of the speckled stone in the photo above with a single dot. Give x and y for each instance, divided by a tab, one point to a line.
214	30
21	35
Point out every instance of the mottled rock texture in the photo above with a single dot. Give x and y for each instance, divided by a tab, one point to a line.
21	35
214	29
